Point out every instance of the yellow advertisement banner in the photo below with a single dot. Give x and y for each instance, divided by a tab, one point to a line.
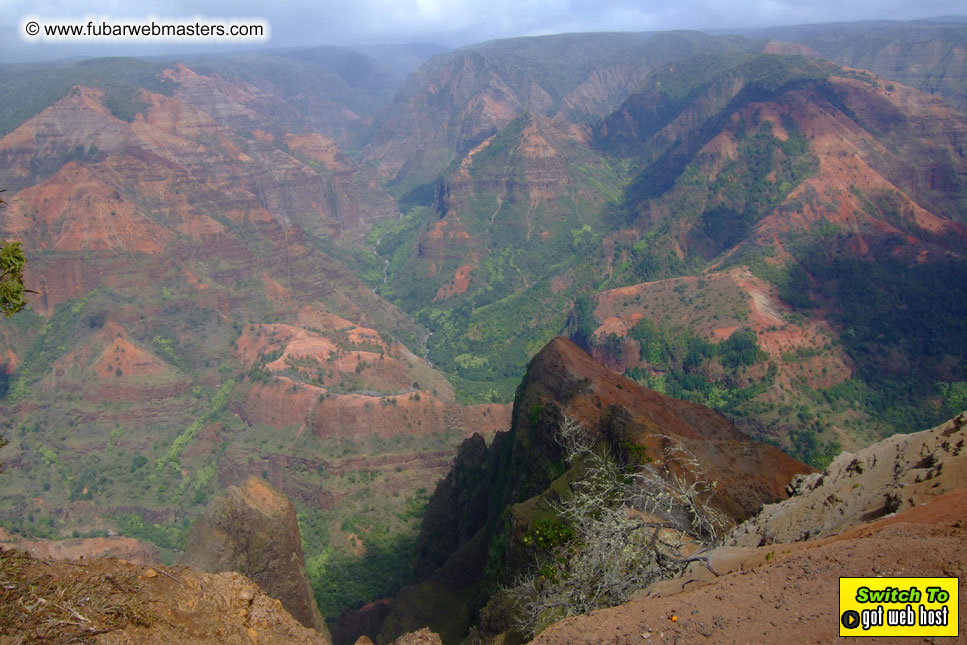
898	606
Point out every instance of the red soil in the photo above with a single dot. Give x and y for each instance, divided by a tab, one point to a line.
789	593
459	284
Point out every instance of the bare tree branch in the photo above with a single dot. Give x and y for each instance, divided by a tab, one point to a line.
631	528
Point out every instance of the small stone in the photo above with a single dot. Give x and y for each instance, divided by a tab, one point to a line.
254	635
247	595
243	613
150	573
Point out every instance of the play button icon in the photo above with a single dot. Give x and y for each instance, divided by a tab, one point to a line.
850	619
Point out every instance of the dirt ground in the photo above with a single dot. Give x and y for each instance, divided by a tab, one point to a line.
788	593
111	601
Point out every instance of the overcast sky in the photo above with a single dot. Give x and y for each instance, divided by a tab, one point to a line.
447	22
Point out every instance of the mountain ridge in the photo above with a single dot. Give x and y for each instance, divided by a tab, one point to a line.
473	535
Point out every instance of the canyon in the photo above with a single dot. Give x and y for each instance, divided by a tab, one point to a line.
379	281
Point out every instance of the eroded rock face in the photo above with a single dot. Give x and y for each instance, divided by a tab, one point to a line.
563	377
476	519
900	472
253	529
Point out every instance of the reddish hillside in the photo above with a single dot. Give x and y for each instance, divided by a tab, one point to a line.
714	306
110	365
783	145
497	494
563	375
197	321
88	181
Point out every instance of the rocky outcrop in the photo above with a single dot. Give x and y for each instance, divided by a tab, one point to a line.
420	637
635	419
253	529
786	593
900	472
458	508
894	507
472	534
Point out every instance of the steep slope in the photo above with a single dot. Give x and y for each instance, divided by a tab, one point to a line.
825	184
762	234
786	190
187	137
323	89
196	257
458	99
474	532
927	55
739	110
787	593
253	529
890	476
895	508
489	267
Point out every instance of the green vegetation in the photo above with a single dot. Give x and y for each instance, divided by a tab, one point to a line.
746	189
540	237
342	577
12	262
218	401
170	538
88	444
528	260
902	336
807	448
340	580
28	89
581	322
548	534
678	361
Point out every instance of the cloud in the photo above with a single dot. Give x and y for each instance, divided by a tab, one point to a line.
453	22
